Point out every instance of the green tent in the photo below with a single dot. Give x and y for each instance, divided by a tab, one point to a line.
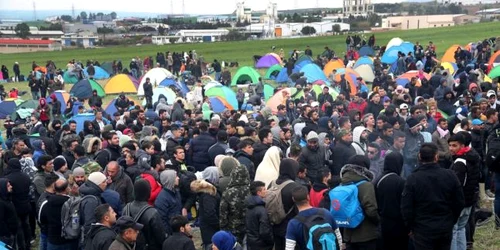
245	74
273	71
68	78
319	89
268	91
83	89
495	72
29	104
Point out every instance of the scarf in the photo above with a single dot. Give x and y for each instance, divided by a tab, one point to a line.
442	133
463	151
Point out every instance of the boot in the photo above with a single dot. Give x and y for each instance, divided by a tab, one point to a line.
482	191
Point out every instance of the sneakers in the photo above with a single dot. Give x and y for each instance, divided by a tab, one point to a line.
489	195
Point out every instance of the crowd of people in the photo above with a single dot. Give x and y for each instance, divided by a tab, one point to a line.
143	177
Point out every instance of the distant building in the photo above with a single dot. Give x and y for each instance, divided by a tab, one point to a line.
357	7
35	34
23	45
488	13
78	28
295	29
82	41
8	24
424	22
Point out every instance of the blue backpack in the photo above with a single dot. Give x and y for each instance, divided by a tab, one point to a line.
345	207
318	232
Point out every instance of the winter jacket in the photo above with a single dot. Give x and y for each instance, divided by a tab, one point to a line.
153	230
374	108
199	150
20	189
112	198
88	205
359	146
289	207
432	200
39	183
80	162
412	146
110	153
341	153
120	244
259	150
367	230
8	219
218	148
259	231
122	184
232	205
467	167
122	103
313	160
377	167
246	160
53	214
171	144
179	241
360	107
148	89
447	105
208	210
155	185
99	237
442	144
169	204
177	113
95	101
317	193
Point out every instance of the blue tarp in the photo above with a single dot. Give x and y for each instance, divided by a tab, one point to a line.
282	76
313	73
100	73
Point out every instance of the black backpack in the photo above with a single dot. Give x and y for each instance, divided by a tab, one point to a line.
141	242
492	158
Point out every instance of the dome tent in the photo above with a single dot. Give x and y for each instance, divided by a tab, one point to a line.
313	73
273	72
83	89
267	61
245	74
100	73
156	76
121	83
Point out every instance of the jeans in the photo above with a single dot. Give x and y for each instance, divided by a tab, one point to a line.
459	241
35	95
43	242
497	199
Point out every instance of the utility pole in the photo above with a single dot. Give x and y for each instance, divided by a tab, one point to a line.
73	11
34	11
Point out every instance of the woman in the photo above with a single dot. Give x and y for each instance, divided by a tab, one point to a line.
8	218
433	110
44	110
268	170
224	240
209	201
5	73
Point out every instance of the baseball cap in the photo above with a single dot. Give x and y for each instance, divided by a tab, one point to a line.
477	122
126	222
403	106
314	104
491	93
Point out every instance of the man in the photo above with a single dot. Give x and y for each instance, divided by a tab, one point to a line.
217	68
95	101
231	129
120	182
308	51
91	192
153	233
53	214
101	234
60	167
16	151
172	141
244	156
177	163
414	140
17	72
467	167
198	150
168	203
148	92
99	122
258	228
440	138
34	87
492	100
319	187
399	140
342	151
432	201
181	238
295	235
220	147
313	156
70	145
376	160
359	140
50	181
77	177
45	166
259	89
260	148
80	157
128	230
325	97
110	153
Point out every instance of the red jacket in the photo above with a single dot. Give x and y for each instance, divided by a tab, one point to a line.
359	106
316	197
155	187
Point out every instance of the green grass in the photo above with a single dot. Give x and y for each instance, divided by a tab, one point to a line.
243	51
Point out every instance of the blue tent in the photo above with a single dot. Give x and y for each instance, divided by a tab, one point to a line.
364	60
100	73
217	105
391	55
313	73
300	65
7	108
282	76
178	85
80	119
366	51
111	109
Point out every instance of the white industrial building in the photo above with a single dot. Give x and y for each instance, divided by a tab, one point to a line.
357	7
294	29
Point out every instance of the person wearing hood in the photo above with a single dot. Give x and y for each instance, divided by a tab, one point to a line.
60	167
389	189
244	156
446	104
209	203
91	146
232	205
432	201
122	103
9	225
366	233
224	240
168	203
467	167
91	193
161	104
313	156
342	151
268	170
119	182
279	139
38	149
261	147
259	231
441	89
425	89
225	166
153	233
359	140
20	198
89	130
101	234
177	112
475	91
374	153
43	110
95	101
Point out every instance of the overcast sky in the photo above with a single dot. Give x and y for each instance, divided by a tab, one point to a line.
159	6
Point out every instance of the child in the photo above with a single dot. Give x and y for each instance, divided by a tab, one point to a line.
144	155
259	229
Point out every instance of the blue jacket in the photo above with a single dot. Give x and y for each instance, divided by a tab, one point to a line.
169	204
199	151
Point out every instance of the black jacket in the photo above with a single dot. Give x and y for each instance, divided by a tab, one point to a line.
246	160
171	144
374	108
88	205
259	230
313	160
199	150
467	167
341	153
111	153
153	231
20	189
53	213
432	200
148	89
218	148
95	100
209	204
259	150
8	218
286	195
178	241
99	237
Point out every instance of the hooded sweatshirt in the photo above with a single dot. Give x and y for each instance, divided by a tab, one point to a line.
168	203
226	167
7	211
389	191
38	151
357	144
268	169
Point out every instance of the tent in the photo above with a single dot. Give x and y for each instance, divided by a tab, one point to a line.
364	60
267	61
62	96
268	91
121	83
219	104
396	41
110	108
276	56
366	72
391	55
282	76
313	73
80	119
277	98
100	73
69	77
108	67
223	92
331	65
351	77
171	82
212	84
168	93
155	76
449	55
7	107
245	74
366	51
24	109
273	72
494	60
83	89
318	89
495	72
450	66
41	69
304	59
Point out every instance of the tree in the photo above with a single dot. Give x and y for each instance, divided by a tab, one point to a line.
336	28
113	15
104	31
66	18
22	30
308	30
78	19
161	30
83	15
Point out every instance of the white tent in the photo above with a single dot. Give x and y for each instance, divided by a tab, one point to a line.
396	41
366	72
155	75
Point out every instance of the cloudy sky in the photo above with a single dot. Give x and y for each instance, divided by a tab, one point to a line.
159	6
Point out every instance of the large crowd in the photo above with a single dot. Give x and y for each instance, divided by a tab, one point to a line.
381	169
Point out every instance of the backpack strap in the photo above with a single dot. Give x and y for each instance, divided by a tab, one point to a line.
126	210
462	160
383	177
141	212
40	211
359	183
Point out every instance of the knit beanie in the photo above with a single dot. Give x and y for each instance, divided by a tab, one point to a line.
59	163
224	240
97	178
124	139
79	171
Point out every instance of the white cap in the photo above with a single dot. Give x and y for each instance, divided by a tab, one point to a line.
491	93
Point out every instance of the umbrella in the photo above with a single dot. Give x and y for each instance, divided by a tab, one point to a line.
223	92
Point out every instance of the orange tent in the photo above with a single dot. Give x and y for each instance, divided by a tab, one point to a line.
449	55
494	60
351	77
41	68
331	65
